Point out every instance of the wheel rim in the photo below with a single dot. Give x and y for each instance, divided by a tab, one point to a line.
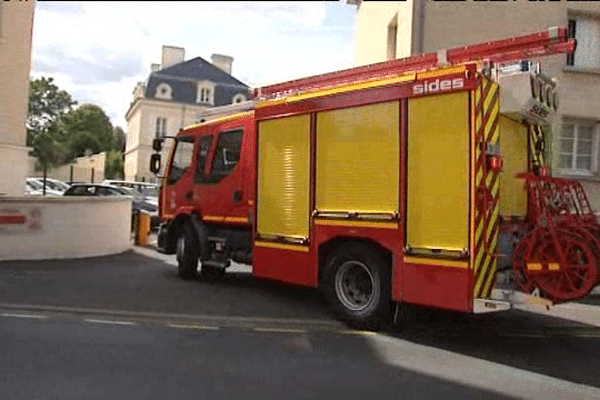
180	249
355	286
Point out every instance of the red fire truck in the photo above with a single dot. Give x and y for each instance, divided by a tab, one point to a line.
389	184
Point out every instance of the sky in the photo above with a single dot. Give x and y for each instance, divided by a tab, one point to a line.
98	51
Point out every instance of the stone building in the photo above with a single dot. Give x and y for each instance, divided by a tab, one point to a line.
16	23
173	97
395	29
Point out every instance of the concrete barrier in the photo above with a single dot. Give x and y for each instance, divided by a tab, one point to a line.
63	227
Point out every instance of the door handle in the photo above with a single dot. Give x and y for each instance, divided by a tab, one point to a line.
188	195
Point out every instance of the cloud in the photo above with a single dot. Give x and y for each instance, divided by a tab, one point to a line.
99	50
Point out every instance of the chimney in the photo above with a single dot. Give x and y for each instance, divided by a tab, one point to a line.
172	55
154	67
222	62
139	90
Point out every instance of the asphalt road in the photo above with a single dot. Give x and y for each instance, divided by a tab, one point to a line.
126	326
79	360
134	282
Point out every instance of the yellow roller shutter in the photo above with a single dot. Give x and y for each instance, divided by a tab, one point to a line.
358	159
438	172
283	176
513	139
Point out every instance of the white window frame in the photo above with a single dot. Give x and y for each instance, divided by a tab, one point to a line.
164	87
205	93
585	44
160	127
577	124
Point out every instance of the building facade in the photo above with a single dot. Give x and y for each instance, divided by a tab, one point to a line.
175	95
388	30
16	23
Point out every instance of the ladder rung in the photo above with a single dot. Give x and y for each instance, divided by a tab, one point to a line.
551	41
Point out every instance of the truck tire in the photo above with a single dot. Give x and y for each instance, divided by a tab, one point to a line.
357	283
187	252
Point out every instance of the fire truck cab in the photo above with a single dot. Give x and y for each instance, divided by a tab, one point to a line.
385	185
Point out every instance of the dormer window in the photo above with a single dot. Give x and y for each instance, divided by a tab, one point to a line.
238	98
163	91
206	93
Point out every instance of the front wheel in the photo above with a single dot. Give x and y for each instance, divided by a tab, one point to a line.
187	252
358	285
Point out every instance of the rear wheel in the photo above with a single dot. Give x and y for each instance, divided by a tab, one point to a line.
187	252
357	283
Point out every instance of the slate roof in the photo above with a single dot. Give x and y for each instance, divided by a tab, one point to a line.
183	78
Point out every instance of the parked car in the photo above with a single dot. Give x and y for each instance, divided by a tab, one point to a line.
35	187
142	191
95	189
54	184
31	189
146	189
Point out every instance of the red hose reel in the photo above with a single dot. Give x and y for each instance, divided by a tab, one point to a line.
560	254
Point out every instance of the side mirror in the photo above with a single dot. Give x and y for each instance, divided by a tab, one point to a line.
157	144
155	163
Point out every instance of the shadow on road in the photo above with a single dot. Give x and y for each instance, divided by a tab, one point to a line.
550	346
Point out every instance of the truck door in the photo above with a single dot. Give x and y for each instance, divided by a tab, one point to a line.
221	189
178	188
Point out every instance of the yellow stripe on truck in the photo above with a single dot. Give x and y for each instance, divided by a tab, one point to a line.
436	262
358	224
282	246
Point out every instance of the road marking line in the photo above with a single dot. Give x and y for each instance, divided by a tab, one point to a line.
280	330
109	322
523	335
24	316
203	327
354	332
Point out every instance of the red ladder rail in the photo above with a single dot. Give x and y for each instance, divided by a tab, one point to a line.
551	41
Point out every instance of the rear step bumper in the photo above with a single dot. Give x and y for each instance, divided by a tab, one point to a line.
505	299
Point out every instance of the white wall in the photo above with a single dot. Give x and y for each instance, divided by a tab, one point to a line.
16	20
372	21
82	169
63	227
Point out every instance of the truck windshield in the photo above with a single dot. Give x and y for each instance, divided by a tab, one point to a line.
182	158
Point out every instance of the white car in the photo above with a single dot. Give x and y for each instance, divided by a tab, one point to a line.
54	184
35	187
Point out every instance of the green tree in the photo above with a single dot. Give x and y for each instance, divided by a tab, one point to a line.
87	129
47	103
120	137
48	150
113	167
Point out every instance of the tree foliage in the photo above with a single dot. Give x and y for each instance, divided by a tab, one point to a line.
49	151
59	133
88	129
120	137
113	166
47	103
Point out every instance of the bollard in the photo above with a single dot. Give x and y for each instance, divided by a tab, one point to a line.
143	231
135	226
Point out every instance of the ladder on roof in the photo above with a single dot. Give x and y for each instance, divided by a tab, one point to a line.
554	40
